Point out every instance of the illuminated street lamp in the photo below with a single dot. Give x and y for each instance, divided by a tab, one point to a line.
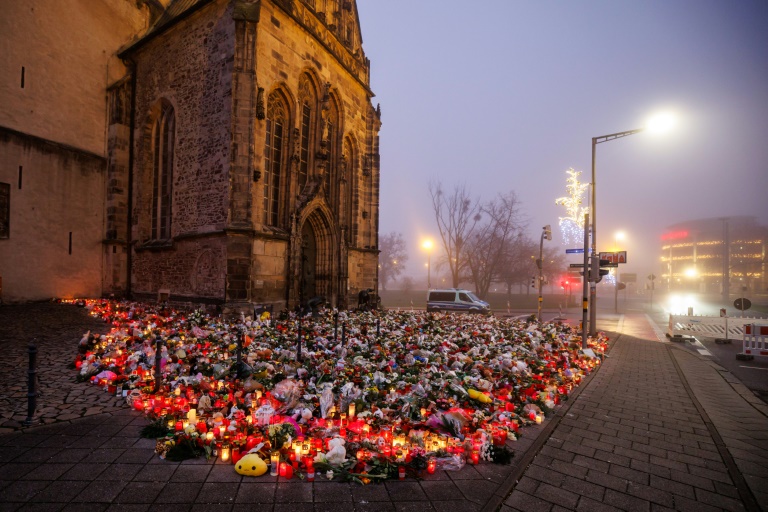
427	246
658	124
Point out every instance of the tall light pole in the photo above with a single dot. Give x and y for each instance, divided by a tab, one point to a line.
594	274
657	124
546	232
618	236
427	246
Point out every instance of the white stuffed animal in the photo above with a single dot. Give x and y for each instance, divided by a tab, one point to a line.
337	454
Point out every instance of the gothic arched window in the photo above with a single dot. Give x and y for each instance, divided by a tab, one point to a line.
307	102
162	173
274	151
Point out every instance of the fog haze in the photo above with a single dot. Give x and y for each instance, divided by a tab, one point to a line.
507	95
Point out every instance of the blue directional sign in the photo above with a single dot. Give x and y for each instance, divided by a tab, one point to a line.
574	251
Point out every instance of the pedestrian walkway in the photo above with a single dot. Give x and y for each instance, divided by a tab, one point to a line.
657	428
55	330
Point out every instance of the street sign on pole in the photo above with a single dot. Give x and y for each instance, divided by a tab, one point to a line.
574	251
577	265
627	277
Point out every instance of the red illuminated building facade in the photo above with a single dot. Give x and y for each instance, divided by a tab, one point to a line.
706	255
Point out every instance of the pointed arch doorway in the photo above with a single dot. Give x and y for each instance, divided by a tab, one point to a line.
317	256
308	263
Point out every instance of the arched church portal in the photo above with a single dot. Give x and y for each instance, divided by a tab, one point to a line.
317	258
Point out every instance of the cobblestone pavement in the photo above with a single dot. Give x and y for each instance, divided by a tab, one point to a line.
658	428
56	330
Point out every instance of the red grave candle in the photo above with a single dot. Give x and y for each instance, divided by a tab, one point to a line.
286	470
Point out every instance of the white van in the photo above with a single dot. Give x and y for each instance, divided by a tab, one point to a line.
455	300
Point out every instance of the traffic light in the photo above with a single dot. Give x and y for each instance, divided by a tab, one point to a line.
597	271
548	232
533	282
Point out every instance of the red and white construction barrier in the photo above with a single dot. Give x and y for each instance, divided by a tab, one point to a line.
756	340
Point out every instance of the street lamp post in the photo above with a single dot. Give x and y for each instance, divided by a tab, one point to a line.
427	245
659	123
594	274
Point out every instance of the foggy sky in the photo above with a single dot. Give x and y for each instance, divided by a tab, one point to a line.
506	95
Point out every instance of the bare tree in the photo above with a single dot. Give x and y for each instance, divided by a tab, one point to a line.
555	265
491	240
457	216
518	263
392	257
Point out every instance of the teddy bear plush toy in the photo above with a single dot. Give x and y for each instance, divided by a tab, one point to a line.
251	464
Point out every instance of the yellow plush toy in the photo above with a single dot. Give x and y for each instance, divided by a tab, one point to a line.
251	464
480	397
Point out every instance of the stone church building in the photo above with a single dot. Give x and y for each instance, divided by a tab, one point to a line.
214	151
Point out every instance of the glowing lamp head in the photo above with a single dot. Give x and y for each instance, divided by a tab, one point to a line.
427	245
691	272
661	123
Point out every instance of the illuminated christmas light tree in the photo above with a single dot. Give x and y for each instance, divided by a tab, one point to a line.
572	225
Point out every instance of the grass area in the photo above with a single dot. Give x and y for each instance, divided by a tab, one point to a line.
498	301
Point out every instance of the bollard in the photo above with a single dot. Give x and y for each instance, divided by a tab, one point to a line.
239	354
298	348
31	386
158	374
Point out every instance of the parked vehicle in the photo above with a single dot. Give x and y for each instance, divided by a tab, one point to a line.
455	300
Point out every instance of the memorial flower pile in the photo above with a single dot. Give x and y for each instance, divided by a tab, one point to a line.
356	396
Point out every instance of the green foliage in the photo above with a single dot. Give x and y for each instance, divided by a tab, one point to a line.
183	449
501	455
156	429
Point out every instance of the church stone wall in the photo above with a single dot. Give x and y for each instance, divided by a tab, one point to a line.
362	271
271	269
284	50
192	270
190	67
59	58
67	51
53	247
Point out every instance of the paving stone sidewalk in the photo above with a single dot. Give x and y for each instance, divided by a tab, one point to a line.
657	428
55	330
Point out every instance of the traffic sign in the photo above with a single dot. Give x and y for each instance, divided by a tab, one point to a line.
614	257
627	277
577	265
651	277
574	251
742	304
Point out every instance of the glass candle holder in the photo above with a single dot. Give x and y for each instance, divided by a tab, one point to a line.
225	452
431	465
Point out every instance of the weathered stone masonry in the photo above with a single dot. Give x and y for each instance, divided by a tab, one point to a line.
217	69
